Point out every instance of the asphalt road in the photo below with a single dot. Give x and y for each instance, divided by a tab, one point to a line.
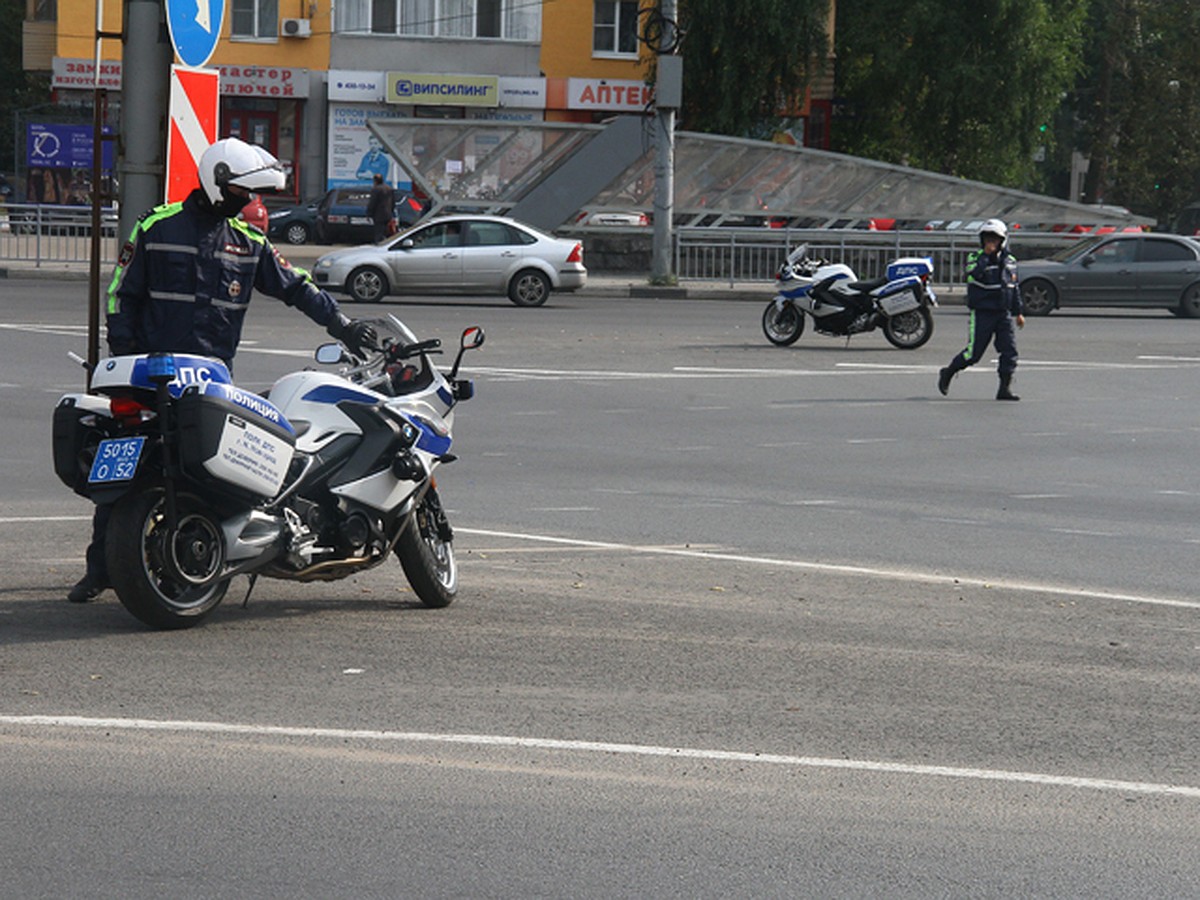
734	620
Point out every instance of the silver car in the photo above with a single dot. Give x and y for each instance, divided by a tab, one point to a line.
1129	270
464	254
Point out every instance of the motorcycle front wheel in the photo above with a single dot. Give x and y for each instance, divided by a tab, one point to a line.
909	330
162	577
782	325
426	553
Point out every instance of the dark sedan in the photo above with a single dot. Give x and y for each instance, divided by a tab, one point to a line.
1155	271
294	224
342	215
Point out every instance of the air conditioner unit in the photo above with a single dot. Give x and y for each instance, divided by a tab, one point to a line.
297	28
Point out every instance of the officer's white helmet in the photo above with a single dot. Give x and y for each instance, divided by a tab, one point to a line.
996	227
233	161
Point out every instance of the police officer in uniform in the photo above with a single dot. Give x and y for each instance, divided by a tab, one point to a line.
184	279
995	304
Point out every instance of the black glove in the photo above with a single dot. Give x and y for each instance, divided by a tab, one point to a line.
358	336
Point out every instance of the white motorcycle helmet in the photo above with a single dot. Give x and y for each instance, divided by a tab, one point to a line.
996	227
234	162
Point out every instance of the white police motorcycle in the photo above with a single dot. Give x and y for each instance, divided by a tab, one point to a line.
327	475
901	303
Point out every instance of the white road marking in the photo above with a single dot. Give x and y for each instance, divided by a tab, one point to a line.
648	750
16	520
863	571
832	568
75	331
299	354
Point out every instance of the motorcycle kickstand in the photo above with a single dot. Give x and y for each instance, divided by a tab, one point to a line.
250	589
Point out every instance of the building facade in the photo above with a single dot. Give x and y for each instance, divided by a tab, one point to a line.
303	77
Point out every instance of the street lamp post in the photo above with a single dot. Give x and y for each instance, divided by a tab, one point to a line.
668	93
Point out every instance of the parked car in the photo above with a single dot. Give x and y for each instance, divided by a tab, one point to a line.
342	215
1126	270
633	218
1188	220
465	254
293	224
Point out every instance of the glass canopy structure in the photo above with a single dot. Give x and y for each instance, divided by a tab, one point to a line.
494	166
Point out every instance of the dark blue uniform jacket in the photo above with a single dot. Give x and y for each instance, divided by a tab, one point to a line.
992	282
184	279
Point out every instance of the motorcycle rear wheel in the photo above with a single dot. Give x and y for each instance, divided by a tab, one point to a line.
909	330
782	326
427	557
137	547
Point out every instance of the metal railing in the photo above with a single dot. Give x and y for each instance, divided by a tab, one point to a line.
44	233
755	254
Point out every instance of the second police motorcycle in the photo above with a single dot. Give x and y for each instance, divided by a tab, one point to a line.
330	473
900	304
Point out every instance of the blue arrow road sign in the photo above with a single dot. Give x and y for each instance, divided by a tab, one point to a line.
195	26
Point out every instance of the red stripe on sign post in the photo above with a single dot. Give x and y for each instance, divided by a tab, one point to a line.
194	113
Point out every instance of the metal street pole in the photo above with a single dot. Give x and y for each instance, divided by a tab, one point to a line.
668	94
99	117
145	85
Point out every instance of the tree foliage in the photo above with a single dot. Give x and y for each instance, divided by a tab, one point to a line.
959	88
21	89
1138	105
746	62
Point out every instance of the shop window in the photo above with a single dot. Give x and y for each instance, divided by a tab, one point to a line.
254	19
614	30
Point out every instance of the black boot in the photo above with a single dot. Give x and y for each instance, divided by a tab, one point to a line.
1004	393
86	589
944	376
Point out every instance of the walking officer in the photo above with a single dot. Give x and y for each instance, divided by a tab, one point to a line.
995	304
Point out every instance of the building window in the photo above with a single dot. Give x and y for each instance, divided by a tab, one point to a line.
615	27
512	20
487	18
255	19
383	16
42	10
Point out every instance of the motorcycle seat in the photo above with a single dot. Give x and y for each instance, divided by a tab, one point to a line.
867	286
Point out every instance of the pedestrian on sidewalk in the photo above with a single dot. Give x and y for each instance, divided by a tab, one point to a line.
381	208
994	302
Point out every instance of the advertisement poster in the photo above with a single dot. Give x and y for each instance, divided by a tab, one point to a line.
355	155
58	158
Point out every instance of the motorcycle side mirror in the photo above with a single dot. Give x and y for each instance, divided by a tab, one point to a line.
329	354
472	338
